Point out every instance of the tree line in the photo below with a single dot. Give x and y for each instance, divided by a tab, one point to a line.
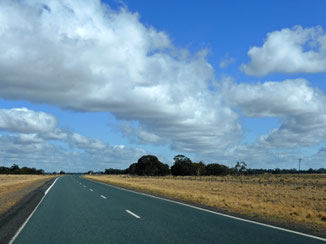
149	165
14	169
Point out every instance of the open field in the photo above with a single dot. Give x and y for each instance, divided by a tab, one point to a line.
14	187
287	199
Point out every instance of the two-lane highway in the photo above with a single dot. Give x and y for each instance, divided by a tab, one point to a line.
77	210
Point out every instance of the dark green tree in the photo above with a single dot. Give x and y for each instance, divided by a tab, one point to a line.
182	166
15	169
199	168
150	165
115	171
132	169
216	169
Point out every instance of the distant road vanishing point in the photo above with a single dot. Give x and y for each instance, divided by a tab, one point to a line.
77	210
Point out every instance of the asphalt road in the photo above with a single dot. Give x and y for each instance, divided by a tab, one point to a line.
77	210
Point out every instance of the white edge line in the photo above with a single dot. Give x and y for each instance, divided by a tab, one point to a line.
26	221
133	214
103	196
213	212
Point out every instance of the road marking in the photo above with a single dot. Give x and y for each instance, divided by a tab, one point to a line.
84	186
26	221
133	214
91	189
103	196
213	212
47	190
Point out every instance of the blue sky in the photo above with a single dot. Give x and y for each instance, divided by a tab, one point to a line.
95	85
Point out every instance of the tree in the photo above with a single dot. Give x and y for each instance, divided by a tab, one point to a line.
15	169
199	169
240	167
149	165
132	169
182	166
115	171
216	169
62	172
4	170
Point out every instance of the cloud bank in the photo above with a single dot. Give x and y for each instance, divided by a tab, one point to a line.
35	140
85	56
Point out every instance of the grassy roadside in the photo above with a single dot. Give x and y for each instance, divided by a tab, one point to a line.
287	199
14	187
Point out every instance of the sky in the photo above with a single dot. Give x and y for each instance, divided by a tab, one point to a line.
91	85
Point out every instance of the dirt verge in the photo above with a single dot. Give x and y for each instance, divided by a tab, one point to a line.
12	219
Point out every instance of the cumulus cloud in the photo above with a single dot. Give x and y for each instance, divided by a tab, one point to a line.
84	56
292	50
274	98
32	142
300	108
51	157
25	121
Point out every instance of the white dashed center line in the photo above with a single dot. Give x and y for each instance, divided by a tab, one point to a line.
91	189
103	196
84	186
133	214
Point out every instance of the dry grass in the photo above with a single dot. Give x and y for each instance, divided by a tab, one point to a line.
290	199
14	187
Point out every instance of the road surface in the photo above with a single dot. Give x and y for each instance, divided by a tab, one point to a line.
77	210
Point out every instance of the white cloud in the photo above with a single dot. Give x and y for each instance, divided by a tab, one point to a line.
33	142
300	108
275	99
26	121
84	56
293	50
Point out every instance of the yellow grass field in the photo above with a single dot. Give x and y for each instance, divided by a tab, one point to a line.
14	187
288	199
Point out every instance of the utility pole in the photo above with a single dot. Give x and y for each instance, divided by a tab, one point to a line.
300	159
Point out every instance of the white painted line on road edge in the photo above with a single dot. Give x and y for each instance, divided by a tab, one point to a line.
47	190
133	214
213	212
103	196
26	221
91	189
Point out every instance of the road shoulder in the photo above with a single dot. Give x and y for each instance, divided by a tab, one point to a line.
12	219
